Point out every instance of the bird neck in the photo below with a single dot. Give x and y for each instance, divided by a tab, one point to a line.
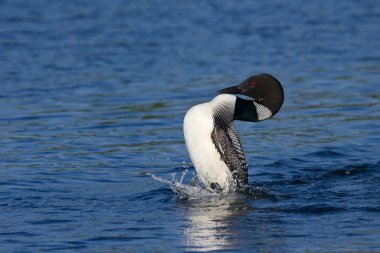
223	107
245	110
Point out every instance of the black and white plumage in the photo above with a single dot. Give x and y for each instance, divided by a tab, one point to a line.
227	143
210	135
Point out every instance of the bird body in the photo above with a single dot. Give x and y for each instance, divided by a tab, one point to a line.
199	126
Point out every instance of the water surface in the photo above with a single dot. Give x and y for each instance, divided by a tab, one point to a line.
92	99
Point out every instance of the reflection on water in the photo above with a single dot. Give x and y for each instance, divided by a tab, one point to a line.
227	221
209	215
207	224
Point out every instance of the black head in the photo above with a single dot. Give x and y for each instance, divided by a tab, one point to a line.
266	91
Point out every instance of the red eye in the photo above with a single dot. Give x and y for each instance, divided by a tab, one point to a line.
253	85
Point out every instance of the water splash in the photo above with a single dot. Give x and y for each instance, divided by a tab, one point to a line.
196	190
193	190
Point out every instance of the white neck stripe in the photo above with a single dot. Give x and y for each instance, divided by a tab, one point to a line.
262	111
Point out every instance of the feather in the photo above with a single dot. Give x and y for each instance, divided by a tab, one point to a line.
227	143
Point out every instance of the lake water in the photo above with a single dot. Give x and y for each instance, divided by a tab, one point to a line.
92	100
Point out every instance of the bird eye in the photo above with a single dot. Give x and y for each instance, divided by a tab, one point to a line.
253	85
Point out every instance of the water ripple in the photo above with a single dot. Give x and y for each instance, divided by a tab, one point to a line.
93	97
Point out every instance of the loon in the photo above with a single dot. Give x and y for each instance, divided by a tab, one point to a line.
210	135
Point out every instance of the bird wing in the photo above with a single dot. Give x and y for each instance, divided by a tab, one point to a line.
226	141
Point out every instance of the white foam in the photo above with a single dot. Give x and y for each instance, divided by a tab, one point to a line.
192	190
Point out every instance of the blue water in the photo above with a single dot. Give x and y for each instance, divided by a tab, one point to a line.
92	99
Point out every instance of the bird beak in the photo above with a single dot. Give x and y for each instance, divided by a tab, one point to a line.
240	89
230	90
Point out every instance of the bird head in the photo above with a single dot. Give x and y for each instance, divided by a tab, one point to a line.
266	92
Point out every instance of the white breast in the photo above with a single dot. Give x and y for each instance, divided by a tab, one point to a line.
198	126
